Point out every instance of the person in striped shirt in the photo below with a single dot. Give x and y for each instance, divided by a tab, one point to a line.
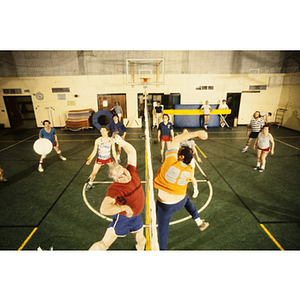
256	124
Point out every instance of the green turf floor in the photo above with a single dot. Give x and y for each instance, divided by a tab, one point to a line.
248	210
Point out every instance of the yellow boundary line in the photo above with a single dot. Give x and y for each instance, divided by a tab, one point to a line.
28	238
201	151
271	237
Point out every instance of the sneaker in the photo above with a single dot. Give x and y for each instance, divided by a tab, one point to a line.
203	226
119	161
40	168
244	150
196	193
222	124
205	127
161	159
261	170
62	158
88	187
256	168
3	179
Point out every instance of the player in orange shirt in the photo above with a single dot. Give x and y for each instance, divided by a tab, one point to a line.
171	183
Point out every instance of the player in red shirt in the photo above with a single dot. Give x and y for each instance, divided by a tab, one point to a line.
124	200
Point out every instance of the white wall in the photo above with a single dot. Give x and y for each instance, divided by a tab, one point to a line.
87	87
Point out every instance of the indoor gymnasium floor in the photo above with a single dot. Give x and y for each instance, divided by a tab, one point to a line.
247	210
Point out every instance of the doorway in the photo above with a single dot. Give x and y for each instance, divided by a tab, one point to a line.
233	101
20	111
108	101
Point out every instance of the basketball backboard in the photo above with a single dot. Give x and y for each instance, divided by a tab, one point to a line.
137	70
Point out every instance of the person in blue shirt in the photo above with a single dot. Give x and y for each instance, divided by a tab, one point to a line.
49	133
164	133
158	111
118	127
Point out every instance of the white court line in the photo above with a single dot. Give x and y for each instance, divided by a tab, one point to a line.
287	144
17	143
171	223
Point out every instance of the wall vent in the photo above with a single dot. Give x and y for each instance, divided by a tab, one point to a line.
257	87
60	90
12	91
61	97
205	88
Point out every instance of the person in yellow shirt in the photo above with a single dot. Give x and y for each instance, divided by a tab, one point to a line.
171	183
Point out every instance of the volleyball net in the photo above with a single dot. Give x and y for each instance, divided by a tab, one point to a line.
150	209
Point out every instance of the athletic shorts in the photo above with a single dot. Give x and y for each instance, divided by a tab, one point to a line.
122	225
266	149
165	138
104	161
54	144
253	135
206	115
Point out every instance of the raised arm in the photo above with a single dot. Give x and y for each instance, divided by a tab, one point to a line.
201	134
128	148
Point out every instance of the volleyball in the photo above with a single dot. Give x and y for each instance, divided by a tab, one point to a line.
42	146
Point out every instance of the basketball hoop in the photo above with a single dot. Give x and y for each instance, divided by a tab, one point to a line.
145	80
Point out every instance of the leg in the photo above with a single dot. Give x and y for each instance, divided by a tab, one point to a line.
162	147
247	145
96	169
192	210
40	168
168	144
163	220
109	237
59	153
164	214
140	239
263	160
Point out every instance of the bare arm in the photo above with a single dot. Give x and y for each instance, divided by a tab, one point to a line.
201	134
110	208
255	143
128	148
113	150
172	134
56	140
272	144
196	153
88	162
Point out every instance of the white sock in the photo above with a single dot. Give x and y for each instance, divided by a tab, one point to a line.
258	164
246	147
263	167
198	221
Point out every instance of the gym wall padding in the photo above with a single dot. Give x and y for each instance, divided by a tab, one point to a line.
100	113
194	120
